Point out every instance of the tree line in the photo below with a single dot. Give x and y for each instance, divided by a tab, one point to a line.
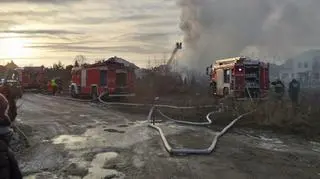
78	61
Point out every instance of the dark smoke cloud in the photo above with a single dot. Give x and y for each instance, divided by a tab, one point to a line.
225	28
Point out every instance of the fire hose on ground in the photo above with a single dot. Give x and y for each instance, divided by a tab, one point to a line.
181	151
166	144
190	150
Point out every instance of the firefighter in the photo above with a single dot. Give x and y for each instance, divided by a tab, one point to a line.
54	86
9	167
49	86
279	88
59	85
293	91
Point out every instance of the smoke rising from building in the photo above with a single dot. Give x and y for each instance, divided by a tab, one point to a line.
224	28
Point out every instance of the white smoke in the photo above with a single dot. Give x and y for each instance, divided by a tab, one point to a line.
225	28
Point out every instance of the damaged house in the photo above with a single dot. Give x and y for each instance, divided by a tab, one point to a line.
304	67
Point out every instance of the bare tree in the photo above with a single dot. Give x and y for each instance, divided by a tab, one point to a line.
76	63
58	66
69	67
80	59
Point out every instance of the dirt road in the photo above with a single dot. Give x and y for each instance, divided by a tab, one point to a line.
81	140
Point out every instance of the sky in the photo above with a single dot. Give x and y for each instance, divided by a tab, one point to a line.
43	32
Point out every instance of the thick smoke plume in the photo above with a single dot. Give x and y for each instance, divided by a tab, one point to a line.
262	28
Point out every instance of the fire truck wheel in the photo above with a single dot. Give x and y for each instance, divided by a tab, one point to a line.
94	95
73	92
225	91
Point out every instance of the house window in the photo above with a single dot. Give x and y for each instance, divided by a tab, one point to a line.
226	75
299	65
306	64
316	63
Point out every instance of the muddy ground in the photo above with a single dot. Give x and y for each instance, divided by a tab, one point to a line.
72	139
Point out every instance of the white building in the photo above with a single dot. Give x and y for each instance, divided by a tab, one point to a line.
304	67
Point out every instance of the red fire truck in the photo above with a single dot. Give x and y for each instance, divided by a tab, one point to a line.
31	77
111	77
240	77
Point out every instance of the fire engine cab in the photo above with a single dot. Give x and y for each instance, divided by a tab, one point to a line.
111	77
31	77
240	77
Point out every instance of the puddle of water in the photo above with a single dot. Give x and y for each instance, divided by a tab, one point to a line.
139	122
66	139
100	159
41	175
315	146
271	144
268	140
264	142
273	140
104	173
123	126
97	137
98	121
30	177
137	162
96	170
42	158
45	141
114	131
84	115
74	177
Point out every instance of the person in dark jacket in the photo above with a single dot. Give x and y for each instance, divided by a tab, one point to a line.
59	85
9	168
8	109
4	161
294	90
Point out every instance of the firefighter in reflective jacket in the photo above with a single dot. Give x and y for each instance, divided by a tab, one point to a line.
54	86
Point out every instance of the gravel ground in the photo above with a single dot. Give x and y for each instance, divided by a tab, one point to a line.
83	140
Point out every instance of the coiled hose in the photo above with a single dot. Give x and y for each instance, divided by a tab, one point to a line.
181	151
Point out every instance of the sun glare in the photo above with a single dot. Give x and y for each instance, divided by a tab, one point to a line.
14	48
